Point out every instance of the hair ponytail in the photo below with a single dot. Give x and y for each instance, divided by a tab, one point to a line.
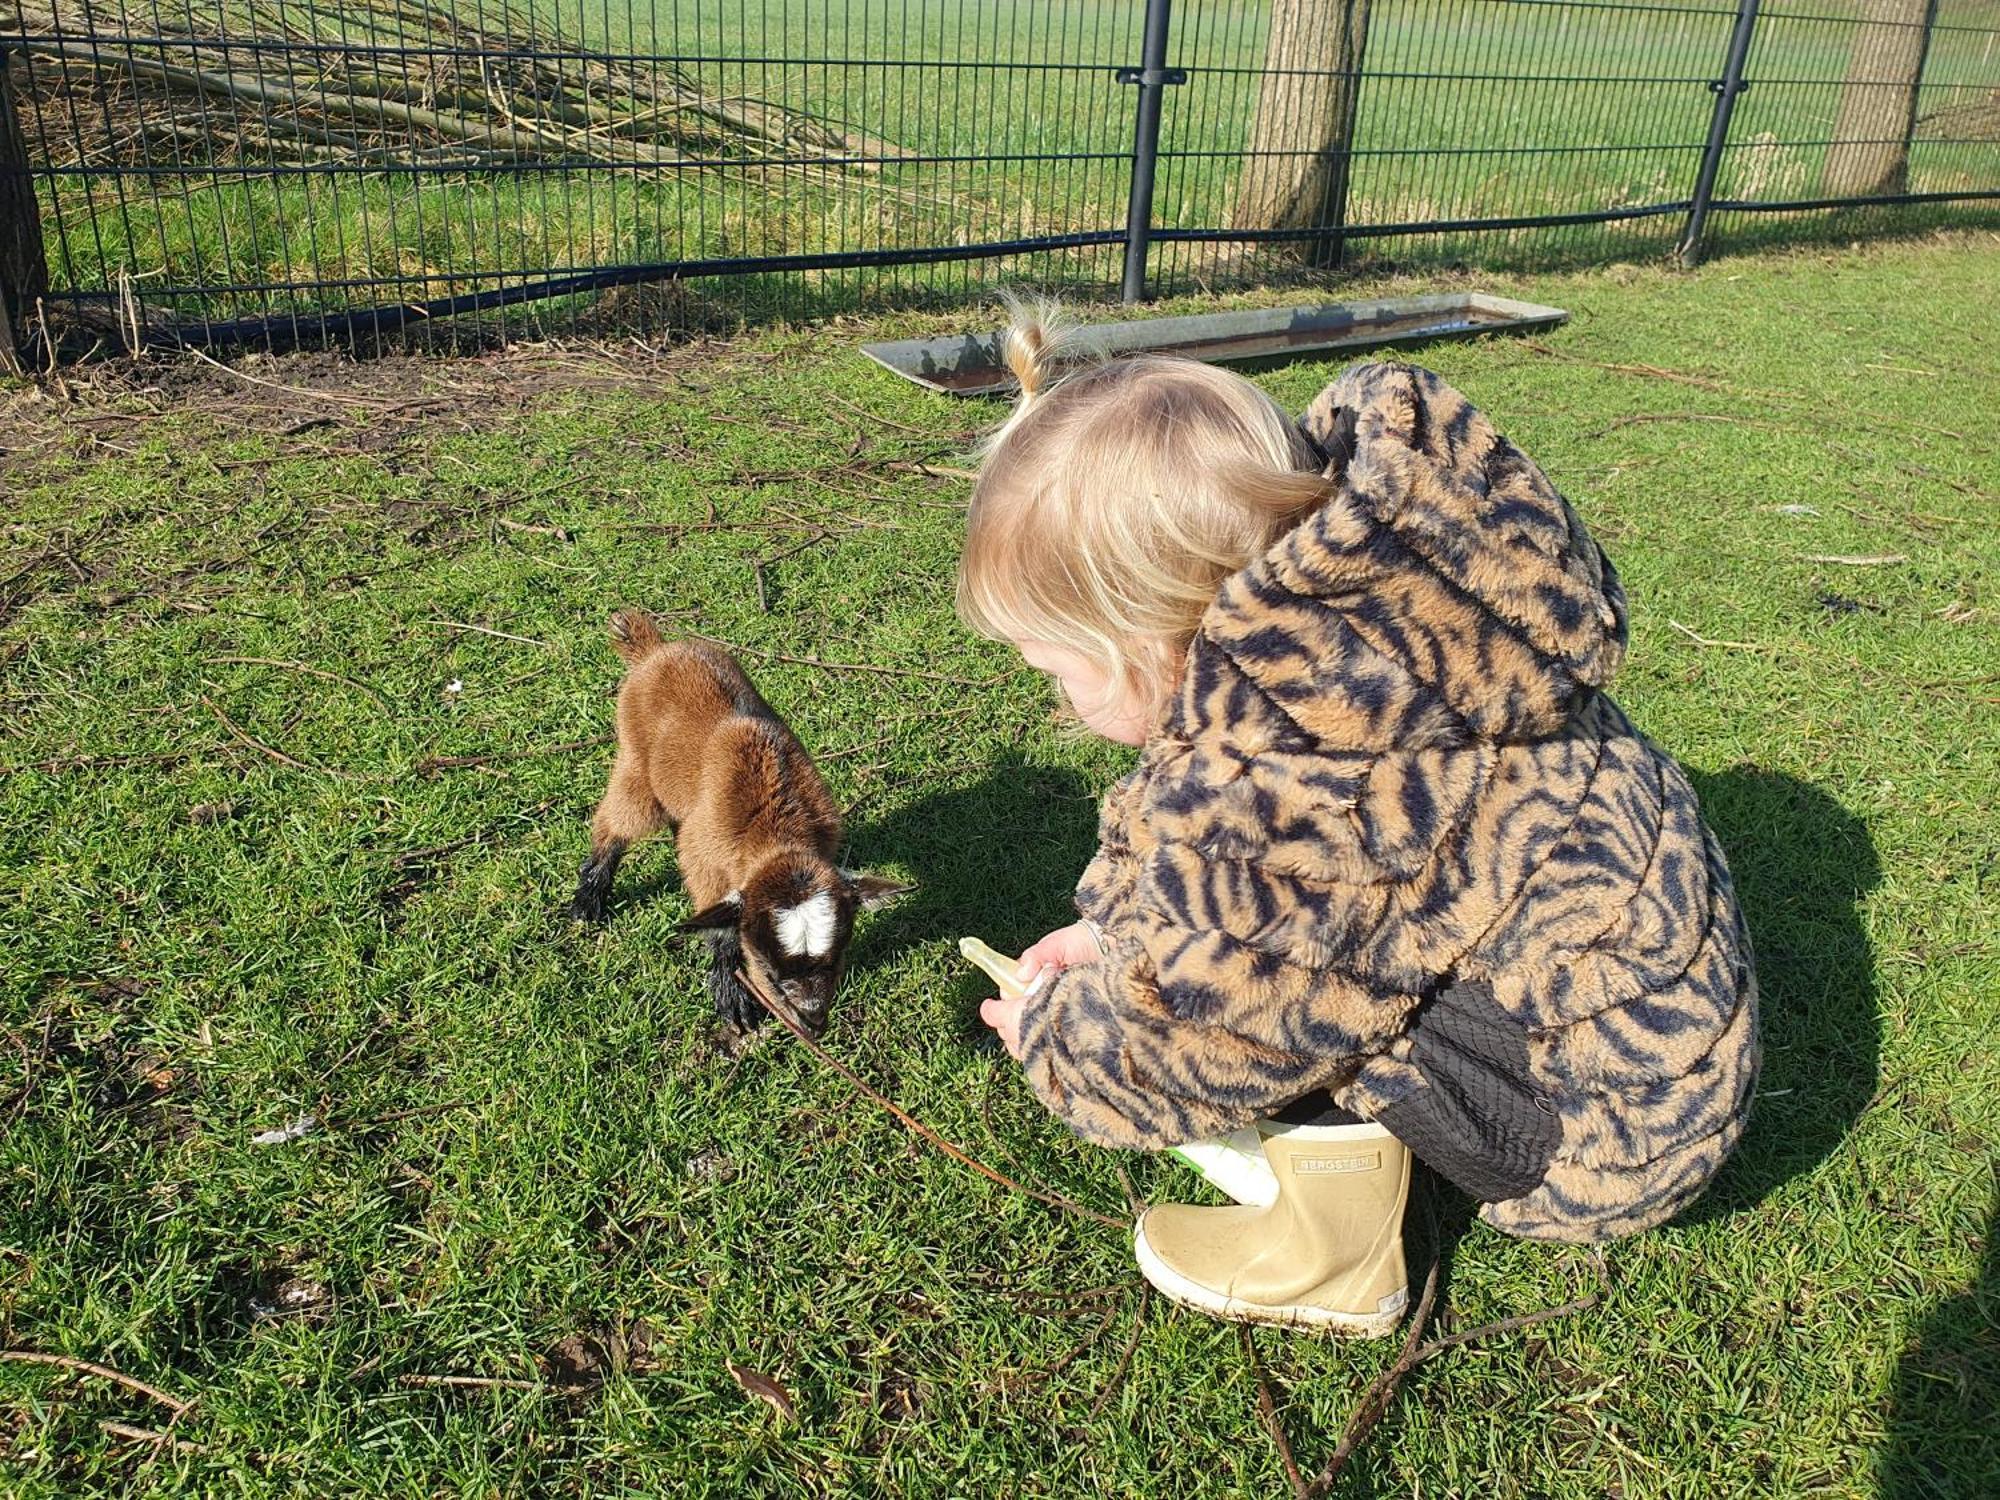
1031	346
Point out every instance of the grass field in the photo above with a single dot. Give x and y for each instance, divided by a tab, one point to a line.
300	701
1471	110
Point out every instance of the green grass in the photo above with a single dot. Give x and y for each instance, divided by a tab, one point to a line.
1470	111
525	1140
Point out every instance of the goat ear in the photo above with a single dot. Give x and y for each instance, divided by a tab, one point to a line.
871	891
723	913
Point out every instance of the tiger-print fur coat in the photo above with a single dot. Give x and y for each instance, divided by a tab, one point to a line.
1393	841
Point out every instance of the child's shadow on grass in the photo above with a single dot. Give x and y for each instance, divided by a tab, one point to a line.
1802	865
998	859
1944	1420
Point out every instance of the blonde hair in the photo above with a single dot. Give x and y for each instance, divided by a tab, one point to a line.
1118	497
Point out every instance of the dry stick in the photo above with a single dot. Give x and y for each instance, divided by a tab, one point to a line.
791	1024
526	640
338	398
1375	1401
103	1372
258	745
1702	640
1267	1412
1506	1325
929	471
1855	560
1125	1359
297	666
148	1435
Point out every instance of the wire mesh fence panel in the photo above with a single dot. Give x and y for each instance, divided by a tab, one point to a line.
283	170
1865	114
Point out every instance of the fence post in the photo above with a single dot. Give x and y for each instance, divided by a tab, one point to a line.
1152	75
24	274
1725	89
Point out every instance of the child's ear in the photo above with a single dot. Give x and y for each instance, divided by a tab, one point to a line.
871	891
723	913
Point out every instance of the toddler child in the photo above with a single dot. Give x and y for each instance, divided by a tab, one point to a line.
1393	873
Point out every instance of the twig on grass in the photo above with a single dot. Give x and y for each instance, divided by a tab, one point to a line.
791	1024
928	470
148	1435
297	666
1702	640
1124	1359
1375	1400
103	1372
1855	559
1267	1413
526	640
265	750
1584	1303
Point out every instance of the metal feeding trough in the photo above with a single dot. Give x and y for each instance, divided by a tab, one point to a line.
969	364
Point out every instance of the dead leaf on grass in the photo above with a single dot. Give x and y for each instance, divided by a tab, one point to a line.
765	1389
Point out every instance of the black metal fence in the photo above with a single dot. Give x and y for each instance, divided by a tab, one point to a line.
224	171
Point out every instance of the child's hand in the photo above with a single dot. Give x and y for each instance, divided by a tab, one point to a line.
1074	944
1004	1016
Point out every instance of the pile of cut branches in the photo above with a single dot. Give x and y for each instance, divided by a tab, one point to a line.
390	82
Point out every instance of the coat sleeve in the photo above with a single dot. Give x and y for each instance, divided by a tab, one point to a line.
1185	1030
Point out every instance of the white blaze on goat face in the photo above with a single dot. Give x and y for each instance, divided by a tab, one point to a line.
808	928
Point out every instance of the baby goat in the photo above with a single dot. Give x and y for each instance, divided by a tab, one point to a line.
701	752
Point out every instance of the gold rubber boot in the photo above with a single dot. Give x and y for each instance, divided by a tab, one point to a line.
1328	1254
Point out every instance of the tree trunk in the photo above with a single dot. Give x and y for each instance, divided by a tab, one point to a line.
1870	156
1295	173
24	275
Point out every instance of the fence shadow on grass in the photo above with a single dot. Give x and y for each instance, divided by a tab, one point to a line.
1944	1417
1802	864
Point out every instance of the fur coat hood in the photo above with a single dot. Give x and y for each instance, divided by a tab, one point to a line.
1393	840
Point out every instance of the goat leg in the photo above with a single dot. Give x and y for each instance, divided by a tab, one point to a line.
735	1006
593	881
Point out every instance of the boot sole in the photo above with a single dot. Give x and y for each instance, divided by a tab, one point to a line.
1175	1287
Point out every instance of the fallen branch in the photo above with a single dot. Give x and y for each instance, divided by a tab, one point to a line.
460	626
1702	640
263	749
791	1024
298	666
1854	559
148	1435
103	1372
1375	1400
1125	1359
1267	1413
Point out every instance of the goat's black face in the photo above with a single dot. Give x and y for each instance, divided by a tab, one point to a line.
793	921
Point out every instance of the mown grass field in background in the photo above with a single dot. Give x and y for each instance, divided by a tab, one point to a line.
529	1167
1469	111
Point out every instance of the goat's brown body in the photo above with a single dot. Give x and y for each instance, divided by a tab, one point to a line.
700	751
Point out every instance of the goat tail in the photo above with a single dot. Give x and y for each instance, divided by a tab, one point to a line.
634	636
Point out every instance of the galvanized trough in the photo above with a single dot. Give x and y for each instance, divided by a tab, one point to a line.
969	364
